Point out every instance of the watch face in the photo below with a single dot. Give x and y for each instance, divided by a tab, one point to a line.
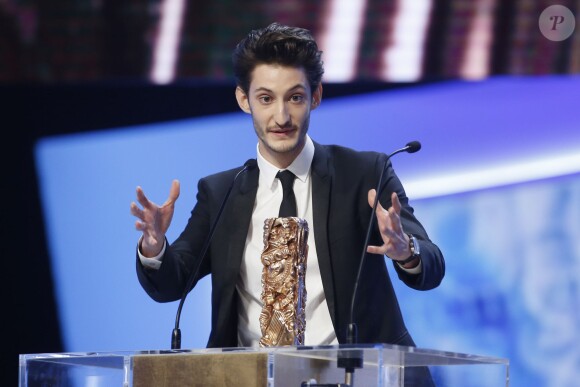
414	244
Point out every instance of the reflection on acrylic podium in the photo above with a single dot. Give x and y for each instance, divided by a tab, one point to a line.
376	365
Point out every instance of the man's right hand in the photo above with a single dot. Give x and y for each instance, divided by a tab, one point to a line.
153	220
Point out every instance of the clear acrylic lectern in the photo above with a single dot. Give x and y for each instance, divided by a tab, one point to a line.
380	365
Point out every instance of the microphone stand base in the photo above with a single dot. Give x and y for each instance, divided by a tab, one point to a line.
350	359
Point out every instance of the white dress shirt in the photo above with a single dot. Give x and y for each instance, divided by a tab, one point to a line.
319	329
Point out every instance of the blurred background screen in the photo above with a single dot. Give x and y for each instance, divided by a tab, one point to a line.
100	96
170	40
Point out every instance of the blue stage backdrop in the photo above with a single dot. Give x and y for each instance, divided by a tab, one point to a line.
497	185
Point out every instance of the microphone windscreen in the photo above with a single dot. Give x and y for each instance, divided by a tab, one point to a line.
413	146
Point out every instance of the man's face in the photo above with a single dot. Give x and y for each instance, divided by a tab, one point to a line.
279	100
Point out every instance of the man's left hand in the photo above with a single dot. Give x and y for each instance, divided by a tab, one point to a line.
395	241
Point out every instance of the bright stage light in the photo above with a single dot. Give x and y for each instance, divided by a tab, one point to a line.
167	43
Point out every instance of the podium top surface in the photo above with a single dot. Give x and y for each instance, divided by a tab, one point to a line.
375	353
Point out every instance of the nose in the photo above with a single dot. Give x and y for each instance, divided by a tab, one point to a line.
282	115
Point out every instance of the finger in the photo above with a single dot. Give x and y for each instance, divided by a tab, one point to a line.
396	203
141	198
376	249
136	211
383	218
395	214
140	226
173	192
387	228
395	224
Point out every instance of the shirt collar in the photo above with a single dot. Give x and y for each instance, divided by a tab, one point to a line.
300	166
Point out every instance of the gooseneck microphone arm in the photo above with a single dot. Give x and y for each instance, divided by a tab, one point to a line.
411	147
176	334
352	359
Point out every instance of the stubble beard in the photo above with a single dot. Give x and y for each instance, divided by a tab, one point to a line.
283	147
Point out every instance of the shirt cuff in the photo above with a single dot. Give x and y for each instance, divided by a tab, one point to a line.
153	262
413	270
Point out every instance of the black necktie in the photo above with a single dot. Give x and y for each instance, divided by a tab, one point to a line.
288	206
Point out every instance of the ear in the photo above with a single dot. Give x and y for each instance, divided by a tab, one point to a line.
316	97
243	101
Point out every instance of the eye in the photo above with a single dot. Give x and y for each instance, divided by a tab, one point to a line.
265	99
297	98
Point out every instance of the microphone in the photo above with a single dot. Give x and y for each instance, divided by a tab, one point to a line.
176	334
350	360
411	147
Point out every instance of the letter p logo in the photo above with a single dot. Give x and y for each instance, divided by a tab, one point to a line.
557	20
557	23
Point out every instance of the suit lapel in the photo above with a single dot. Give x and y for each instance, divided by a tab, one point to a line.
321	186
243	201
242	204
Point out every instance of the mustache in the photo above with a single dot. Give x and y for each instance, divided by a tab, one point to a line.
285	127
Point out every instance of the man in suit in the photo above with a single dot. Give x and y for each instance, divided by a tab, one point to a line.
278	71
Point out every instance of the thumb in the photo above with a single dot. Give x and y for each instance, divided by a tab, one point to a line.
173	192
371	197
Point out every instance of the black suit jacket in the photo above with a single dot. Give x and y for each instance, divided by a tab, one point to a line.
341	179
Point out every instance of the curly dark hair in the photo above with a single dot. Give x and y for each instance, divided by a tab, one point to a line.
277	44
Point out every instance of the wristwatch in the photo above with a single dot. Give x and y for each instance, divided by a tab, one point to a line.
415	250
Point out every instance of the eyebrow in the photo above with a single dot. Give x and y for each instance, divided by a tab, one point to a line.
294	88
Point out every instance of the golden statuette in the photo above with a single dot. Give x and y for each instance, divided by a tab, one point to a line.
283	318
